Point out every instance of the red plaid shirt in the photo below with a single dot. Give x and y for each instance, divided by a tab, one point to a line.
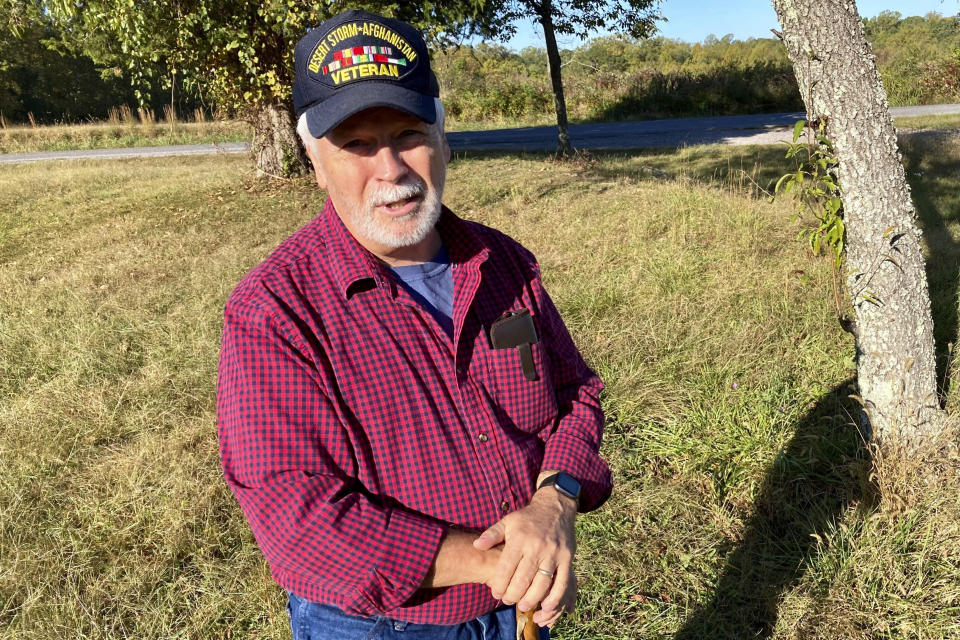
354	432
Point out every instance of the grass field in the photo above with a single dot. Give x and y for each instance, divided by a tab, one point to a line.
744	505
949	122
102	135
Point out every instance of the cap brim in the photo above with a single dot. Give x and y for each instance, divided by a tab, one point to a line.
323	117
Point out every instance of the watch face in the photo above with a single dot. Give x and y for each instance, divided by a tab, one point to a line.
568	485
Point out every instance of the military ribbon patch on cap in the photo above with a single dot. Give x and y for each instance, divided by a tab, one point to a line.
386	58
356	55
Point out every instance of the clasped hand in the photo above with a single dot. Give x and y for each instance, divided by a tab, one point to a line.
539	536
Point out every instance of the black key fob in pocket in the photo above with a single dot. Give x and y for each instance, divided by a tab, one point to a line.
515	330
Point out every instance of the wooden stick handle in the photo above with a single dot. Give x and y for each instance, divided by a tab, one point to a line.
527	629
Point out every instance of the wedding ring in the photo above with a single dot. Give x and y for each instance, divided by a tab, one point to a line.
549	574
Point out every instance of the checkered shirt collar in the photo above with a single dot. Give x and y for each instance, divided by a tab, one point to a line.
351	263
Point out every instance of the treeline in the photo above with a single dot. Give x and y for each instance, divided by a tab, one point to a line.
608	78
918	57
615	78
41	78
37	77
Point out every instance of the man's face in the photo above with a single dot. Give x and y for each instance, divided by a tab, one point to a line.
384	171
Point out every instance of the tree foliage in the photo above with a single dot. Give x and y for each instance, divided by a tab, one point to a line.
238	54
39	76
620	77
815	188
570	17
918	57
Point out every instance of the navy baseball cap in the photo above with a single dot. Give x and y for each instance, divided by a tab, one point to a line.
357	60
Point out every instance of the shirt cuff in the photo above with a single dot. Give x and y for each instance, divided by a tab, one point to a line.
566	452
402	566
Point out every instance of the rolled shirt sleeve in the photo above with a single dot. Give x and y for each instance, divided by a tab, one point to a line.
314	522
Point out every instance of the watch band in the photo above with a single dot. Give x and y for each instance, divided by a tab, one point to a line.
564	483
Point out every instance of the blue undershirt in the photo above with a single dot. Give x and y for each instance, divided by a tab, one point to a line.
431	285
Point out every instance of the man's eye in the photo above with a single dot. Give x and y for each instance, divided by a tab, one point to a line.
411	137
354	144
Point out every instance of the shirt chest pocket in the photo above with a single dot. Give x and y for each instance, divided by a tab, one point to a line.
525	404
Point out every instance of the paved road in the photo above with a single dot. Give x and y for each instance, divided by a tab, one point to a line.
130	152
755	129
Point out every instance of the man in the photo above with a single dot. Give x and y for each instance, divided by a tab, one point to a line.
395	380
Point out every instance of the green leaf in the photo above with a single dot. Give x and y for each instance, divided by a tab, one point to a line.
780	183
798	129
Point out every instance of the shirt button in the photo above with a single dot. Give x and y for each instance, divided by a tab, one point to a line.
482	437
504	506
460	370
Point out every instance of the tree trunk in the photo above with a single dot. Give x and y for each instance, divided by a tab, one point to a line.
275	144
886	280
173	105
553	67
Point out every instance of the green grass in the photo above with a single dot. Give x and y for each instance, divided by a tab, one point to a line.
743	505
531	120
24	139
946	122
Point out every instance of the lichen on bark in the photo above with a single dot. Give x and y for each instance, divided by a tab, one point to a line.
886	277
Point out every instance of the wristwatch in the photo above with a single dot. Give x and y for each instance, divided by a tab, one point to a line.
565	484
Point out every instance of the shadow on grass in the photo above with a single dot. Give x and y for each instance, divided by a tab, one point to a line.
934	176
752	168
811	483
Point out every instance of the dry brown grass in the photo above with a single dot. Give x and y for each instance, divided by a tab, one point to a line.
122	129
115	519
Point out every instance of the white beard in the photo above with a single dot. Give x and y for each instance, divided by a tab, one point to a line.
398	232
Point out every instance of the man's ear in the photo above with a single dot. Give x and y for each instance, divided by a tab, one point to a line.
321	179
317	172
446	149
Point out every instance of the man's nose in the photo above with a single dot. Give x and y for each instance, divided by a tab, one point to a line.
390	166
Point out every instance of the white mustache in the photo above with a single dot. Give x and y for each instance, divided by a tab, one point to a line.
402	191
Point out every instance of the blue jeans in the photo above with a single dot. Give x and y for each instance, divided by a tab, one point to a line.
314	621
